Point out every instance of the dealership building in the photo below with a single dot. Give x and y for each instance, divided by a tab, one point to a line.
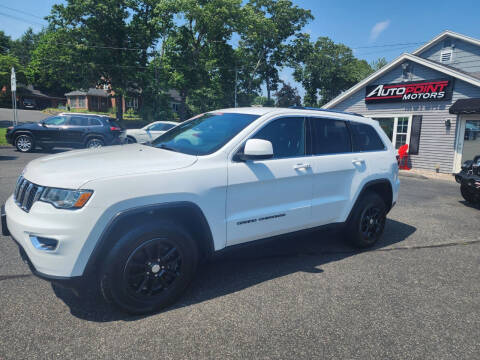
429	99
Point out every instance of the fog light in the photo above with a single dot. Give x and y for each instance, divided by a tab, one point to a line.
43	243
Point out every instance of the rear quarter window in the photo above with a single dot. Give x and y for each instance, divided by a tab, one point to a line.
365	138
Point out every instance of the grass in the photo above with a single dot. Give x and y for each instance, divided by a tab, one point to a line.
3	141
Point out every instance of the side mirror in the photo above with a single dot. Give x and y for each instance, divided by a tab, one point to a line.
257	149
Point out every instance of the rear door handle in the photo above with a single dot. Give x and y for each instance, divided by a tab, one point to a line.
302	166
358	161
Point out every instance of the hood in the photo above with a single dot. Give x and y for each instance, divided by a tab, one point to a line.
72	169
27	125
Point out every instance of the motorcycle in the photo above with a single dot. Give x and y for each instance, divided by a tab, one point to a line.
469	180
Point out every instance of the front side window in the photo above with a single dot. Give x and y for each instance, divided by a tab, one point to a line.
330	137
55	121
365	138
287	136
204	134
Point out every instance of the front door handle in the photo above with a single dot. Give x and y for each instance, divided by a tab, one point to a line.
302	166
358	161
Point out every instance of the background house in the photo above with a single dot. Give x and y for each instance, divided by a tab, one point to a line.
92	100
428	99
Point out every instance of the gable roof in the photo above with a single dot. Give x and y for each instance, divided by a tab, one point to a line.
399	60
443	35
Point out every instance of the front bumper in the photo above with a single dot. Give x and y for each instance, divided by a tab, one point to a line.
75	282
69	228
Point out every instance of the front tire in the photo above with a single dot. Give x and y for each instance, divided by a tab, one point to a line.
367	222
469	195
130	140
149	268
24	143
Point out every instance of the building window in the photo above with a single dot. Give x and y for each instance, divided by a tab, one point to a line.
446	56
175	107
397	128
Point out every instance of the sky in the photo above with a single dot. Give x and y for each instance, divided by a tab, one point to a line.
372	28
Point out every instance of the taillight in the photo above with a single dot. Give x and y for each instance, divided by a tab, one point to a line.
115	128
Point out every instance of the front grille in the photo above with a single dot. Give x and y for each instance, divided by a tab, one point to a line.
26	193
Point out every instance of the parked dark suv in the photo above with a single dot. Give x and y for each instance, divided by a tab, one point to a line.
66	130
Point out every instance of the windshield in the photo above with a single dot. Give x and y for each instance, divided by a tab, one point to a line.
204	134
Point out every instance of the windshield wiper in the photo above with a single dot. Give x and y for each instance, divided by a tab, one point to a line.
166	147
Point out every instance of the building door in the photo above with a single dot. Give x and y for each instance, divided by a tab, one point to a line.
468	140
471	140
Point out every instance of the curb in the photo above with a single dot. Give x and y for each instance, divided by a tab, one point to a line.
6	147
412	175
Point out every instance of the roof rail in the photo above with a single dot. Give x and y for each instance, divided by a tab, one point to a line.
326	110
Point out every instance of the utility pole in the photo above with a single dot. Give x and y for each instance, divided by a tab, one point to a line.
236	80
13	87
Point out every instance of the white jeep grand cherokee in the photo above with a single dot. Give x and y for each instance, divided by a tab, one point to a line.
136	220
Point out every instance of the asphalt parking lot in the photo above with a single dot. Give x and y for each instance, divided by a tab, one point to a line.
415	296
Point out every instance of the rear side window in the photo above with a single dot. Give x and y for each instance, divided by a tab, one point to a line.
330	137
287	136
78	121
94	122
365	138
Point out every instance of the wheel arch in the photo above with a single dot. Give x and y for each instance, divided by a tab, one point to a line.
382	187
90	136
187	214
19	132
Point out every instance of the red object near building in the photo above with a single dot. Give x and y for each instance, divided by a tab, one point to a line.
403	157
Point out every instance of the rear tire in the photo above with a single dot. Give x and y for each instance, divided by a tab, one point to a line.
149	268
367	222
24	143
94	143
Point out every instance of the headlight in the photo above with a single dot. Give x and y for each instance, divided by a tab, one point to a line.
66	199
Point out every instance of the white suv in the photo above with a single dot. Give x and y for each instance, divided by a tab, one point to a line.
136	220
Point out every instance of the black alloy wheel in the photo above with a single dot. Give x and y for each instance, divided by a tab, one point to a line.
372	223
149	266
367	221
152	268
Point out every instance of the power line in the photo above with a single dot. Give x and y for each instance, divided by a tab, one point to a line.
20	19
22	12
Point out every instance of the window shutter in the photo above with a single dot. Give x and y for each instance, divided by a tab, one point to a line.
415	134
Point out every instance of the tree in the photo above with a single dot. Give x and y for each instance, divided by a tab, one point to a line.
325	68
23	47
196	53
116	38
56	68
6	63
268	26
288	96
5	43
378	64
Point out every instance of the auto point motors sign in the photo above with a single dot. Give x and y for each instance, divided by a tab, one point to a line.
426	90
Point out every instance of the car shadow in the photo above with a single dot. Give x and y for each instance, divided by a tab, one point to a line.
246	267
469	204
7	157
